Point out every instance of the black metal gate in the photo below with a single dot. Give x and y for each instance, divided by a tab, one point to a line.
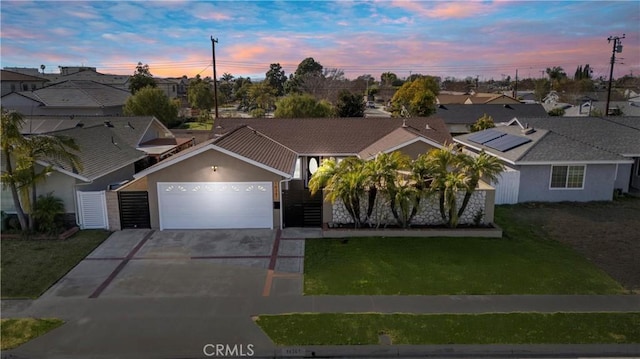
301	209
134	209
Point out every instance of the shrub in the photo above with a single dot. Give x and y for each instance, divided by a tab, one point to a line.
47	209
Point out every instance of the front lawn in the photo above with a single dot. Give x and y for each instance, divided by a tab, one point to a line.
522	264
511	328
30	267
18	331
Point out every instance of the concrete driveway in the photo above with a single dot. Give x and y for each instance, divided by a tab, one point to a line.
188	263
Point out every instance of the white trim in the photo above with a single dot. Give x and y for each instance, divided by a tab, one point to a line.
615	174
584	178
176	159
63	171
572	163
328	154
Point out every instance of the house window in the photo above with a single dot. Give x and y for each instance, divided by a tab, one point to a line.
33	87
13	87
25	87
567	176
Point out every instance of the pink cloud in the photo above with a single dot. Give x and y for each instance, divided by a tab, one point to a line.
443	10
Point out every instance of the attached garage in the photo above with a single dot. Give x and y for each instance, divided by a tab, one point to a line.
215	205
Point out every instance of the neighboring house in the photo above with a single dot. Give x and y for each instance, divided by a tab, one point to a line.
561	159
15	82
106	159
475	98
77	98
112	150
68	73
254	172
459	118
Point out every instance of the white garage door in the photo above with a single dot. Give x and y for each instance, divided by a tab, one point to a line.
209	205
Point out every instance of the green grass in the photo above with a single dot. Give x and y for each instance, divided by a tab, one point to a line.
18	331
522	262
30	267
197	125
511	328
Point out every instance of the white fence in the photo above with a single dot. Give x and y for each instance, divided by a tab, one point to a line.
507	187
92	210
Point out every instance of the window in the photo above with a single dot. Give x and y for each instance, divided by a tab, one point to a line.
25	87
567	176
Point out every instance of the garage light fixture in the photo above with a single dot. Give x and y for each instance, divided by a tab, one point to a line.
214	168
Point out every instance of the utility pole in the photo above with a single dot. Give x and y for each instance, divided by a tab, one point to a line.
617	47
215	77
515	92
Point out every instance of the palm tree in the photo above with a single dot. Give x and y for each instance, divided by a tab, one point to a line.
438	163
11	178
482	166
345	181
453	182
381	174
23	179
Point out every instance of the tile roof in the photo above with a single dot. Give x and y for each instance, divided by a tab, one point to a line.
79	94
101	151
251	144
334	136
130	129
469	114
244	141
16	76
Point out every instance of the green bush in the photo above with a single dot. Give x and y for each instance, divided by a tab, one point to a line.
47	209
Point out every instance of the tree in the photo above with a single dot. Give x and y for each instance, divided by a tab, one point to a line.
416	98
301	106
388	78
557	111
542	88
349	105
262	96
150	101
276	78
483	123
141	78
20	156
309	66
200	95
307	77
345	181
385	176
484	167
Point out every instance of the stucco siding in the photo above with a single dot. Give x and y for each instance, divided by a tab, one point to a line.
198	169
416	149
598	185
61	186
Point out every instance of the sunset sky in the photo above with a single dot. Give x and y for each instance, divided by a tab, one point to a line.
488	39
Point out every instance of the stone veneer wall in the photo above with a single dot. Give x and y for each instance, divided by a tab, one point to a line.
428	213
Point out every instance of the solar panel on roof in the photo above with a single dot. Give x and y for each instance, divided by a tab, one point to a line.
485	136
507	142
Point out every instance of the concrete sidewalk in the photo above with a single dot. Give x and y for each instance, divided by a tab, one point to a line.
181	327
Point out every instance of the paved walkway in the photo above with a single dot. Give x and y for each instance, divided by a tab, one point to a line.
104	319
